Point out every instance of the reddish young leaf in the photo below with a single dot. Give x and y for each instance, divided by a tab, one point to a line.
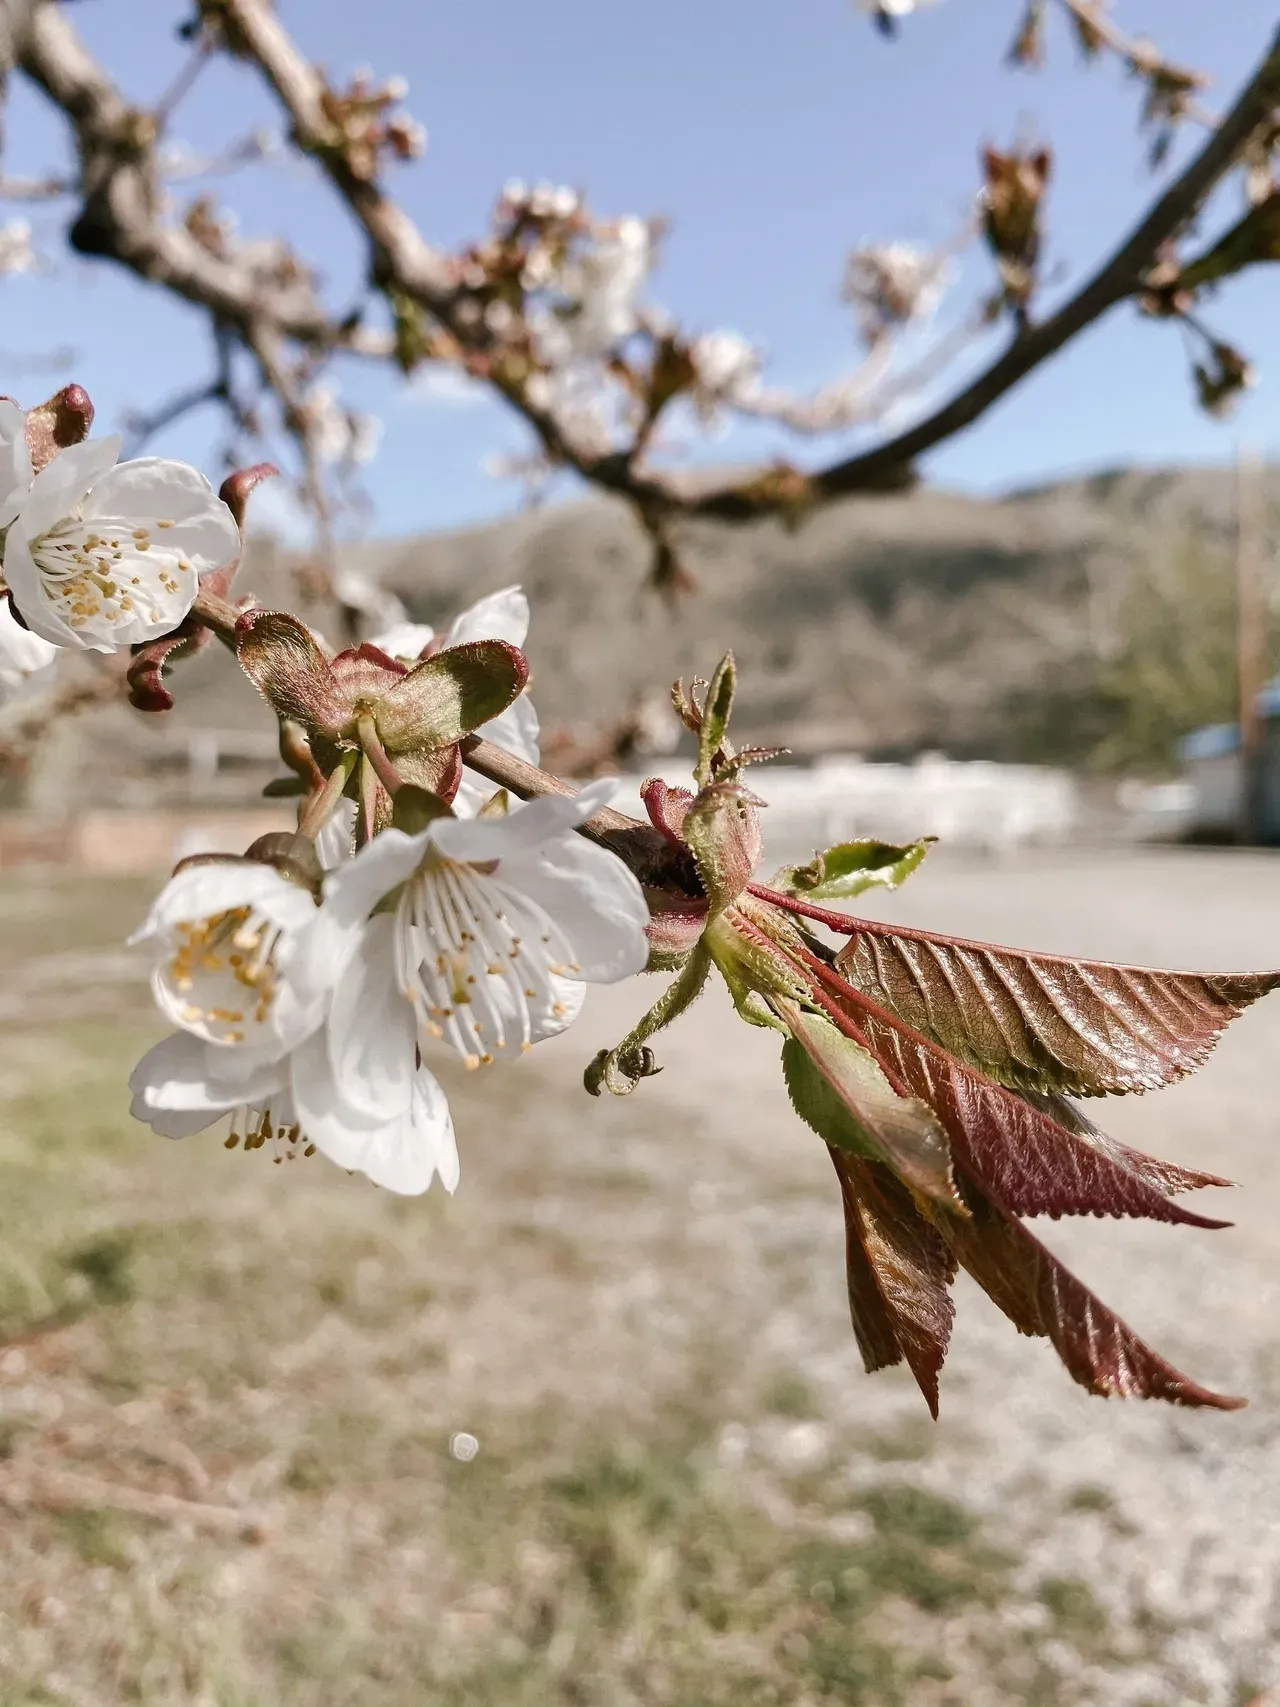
1033	1163
438	772
1165	1176
238	485
282	660
898	1270
1041	1297
666	808
1044	1022
676	922
1000	1139
147	688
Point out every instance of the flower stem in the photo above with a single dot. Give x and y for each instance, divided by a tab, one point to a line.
366	818
314	815
376	753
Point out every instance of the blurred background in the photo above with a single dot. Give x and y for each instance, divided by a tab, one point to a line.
595	1430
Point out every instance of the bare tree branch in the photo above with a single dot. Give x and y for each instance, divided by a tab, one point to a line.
279	319
1120	277
122	216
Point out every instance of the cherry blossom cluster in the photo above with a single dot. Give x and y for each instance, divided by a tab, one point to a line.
310	987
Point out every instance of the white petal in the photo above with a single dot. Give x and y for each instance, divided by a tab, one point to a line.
405	639
182	1073
524	827
593	898
27	586
22	654
552	1009
333	844
403	1153
515	730
434	1124
549	1019
371	1028
222	886
153	489
501	616
351	892
16	472
157	608
172	1122
60	487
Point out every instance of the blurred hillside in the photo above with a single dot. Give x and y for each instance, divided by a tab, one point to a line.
1085	619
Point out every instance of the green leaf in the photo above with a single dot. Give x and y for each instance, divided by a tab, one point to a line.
450	694
836	1087
284	788
715	717
841	872
413	808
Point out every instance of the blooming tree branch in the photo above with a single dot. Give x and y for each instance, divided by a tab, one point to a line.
313	980
548	310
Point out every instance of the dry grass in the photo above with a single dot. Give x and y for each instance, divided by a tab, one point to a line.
228	1391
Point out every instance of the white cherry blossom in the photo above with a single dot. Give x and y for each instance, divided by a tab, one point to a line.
22	654
185	1085
485	934
104	556
222	934
225	936
16	471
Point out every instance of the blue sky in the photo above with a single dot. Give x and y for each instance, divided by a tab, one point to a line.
775	135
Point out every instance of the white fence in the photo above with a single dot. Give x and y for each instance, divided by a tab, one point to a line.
994	807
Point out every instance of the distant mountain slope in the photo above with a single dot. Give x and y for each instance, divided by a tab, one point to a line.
887	623
881	625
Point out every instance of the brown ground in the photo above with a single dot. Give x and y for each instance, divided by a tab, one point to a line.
229	1390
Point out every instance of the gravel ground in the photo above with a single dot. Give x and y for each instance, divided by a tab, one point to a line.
605	1266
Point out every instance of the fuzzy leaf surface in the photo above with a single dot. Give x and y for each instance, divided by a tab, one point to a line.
282	660
1019	1152
716	710
667	808
1041	1297
452	693
898	1270
1168	1177
722	830
846	870
836	1087
1042	1022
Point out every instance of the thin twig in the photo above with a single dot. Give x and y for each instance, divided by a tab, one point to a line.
67	1490
164	108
